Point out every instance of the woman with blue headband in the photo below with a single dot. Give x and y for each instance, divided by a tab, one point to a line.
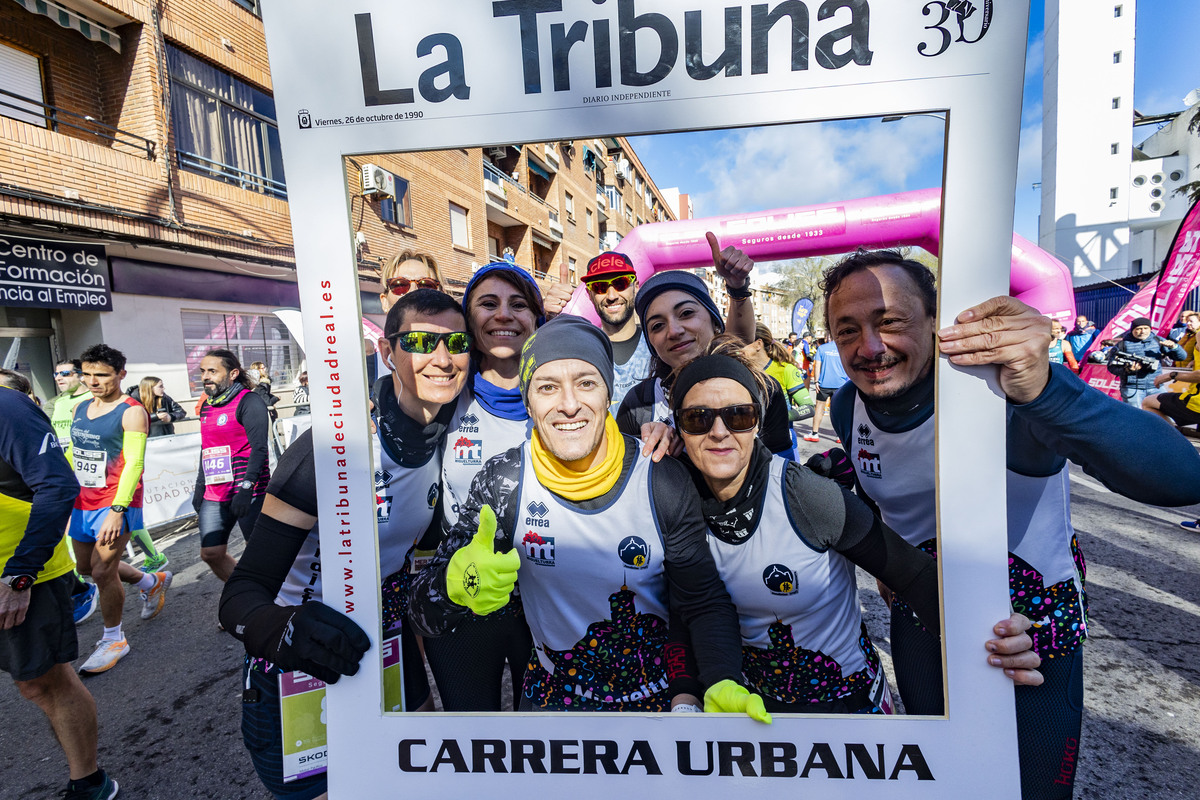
504	308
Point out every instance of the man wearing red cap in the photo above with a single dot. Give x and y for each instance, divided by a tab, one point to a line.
612	285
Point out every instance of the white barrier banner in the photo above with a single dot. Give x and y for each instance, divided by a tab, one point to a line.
169	477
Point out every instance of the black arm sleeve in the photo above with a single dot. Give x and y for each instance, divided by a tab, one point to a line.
831	516
248	609
697	594
252	415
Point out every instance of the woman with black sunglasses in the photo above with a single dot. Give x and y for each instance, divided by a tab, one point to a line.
785	542
504	307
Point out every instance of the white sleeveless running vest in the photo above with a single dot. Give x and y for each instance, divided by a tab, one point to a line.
474	436
896	470
404	501
774	575
574	561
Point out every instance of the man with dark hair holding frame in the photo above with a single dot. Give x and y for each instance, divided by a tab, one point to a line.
881	310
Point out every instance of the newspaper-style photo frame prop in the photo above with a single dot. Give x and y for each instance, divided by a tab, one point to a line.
375	76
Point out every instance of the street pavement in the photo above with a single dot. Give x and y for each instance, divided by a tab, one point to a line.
170	710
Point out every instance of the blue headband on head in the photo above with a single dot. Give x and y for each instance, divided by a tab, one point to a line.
504	266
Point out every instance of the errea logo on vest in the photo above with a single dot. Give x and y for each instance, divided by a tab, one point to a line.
537	515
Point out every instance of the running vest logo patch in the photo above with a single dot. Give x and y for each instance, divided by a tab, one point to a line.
779	579
864	435
468	451
383	503
869	465
468	424
634	552
537	515
538	549
221	420
431	497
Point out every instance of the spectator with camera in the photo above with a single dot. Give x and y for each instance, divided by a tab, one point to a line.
1137	359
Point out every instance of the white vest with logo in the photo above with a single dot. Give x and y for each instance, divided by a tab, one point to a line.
775	576
575	563
474	436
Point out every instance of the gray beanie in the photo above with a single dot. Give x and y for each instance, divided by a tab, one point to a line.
566	336
678	280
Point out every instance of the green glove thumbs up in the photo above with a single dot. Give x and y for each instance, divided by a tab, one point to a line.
730	697
477	576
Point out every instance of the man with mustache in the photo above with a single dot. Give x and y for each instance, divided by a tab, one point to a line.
234	470
881	311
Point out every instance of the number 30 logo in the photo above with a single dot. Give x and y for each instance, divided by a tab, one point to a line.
963	10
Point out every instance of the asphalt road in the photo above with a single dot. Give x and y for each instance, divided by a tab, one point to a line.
170	711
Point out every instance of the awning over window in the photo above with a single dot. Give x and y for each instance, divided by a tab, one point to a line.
537	169
74	20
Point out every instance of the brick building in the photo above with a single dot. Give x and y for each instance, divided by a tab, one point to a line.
143	198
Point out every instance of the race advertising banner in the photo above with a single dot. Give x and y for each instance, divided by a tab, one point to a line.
407	77
1160	300
800	313
46	273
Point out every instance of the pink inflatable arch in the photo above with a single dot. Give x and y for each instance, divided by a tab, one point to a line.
906	219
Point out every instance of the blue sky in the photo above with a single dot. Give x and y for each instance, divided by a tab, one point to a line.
759	168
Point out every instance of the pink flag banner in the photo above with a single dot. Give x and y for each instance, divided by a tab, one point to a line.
1160	300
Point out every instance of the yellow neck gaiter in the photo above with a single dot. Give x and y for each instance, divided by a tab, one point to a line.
577	486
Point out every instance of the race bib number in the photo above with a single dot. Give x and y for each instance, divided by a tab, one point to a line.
302	719
91	468
217	463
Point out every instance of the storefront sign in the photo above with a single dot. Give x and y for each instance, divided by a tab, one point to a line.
48	273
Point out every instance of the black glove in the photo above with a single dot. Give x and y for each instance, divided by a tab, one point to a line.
834	464
320	641
198	496
240	503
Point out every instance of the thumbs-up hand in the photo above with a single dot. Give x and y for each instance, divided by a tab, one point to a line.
477	576
559	294
732	264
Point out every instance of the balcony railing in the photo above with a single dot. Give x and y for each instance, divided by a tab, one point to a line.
60	117
490	173
230	174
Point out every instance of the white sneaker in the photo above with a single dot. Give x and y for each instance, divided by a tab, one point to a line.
154	598
108	653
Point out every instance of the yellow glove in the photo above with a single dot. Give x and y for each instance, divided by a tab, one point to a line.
730	697
477	576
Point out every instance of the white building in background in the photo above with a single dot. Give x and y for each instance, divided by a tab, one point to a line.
1109	210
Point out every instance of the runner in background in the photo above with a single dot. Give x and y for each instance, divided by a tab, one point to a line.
1060	351
234	468
829	376
108	450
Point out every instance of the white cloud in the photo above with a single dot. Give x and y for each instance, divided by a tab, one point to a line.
794	165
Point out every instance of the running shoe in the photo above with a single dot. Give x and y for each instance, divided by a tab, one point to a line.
155	597
108	653
811	437
78	790
1191	524
155	563
85	603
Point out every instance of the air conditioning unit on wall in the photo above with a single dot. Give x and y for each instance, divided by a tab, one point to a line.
378	181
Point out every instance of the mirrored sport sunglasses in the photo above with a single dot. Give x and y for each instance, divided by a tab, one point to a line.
402	285
425	342
620	283
698	421
62	373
